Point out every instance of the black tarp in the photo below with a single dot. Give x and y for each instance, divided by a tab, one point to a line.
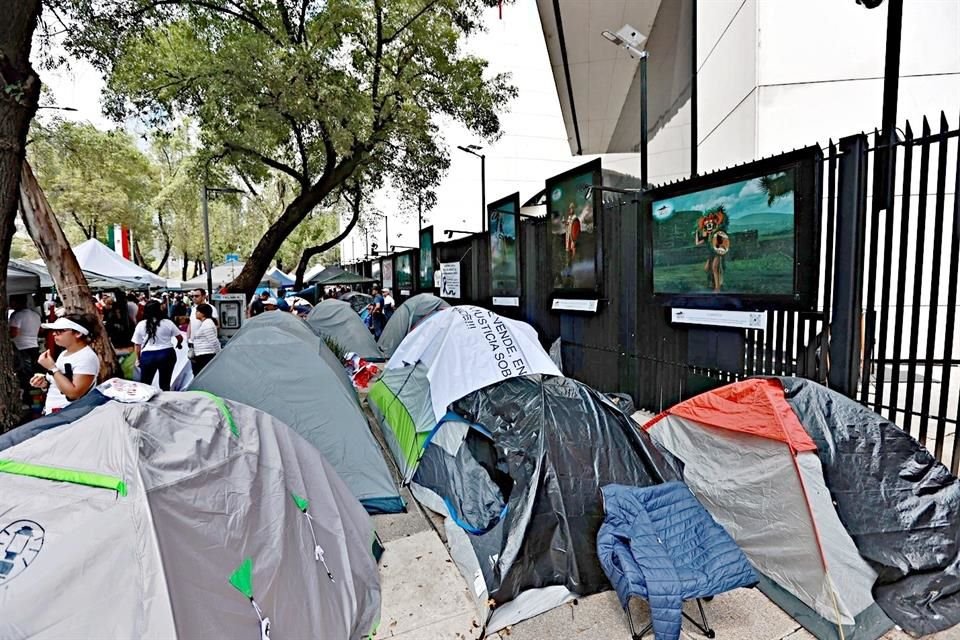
898	503
555	443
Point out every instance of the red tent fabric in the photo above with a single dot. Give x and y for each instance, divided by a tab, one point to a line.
756	407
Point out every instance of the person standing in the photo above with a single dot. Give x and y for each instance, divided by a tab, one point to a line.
206	343
388	305
199	297
255	307
377	322
153	343
75	370
24	328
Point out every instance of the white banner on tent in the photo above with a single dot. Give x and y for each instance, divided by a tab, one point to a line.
449	279
471	339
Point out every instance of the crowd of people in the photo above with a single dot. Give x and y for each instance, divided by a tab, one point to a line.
54	354
379	311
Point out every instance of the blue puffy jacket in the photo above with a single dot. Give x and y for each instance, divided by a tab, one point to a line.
660	544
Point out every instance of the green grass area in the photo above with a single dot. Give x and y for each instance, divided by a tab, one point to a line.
770	274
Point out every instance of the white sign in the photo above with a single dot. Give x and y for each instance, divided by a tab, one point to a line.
716	318
506	302
449	279
436	279
567	304
405	292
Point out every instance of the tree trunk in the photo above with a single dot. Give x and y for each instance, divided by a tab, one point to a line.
19	95
329	244
183	267
43	227
166	244
259	260
138	258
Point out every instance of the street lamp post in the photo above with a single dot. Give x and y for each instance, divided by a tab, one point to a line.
631	40
206	230
472	150
386	227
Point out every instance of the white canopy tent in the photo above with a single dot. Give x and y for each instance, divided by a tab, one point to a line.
96	257
222	274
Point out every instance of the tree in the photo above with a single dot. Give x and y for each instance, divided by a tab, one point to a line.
96	179
71	283
329	93
19	96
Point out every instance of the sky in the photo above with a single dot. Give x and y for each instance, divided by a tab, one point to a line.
532	148
738	199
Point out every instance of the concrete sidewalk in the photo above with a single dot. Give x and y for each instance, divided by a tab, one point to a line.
424	597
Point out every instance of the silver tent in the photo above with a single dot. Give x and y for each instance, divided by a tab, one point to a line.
338	321
406	317
183	517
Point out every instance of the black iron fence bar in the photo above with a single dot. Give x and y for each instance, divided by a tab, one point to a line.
831	222
902	266
879	200
917	273
951	308
848	273
935	275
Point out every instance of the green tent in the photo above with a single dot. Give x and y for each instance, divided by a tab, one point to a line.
279	365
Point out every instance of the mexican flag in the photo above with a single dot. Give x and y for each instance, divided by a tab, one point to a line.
118	239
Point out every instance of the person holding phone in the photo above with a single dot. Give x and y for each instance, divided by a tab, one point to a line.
75	370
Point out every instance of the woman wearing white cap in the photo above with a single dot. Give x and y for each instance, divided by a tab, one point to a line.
75	371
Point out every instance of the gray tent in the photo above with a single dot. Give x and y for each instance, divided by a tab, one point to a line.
182	517
20	281
338	321
406	317
277	364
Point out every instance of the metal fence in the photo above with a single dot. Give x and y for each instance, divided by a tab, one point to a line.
883	330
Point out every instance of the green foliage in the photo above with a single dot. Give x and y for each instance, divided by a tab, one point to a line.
94	179
338	349
328	93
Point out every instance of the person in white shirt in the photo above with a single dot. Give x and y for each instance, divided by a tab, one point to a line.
75	370
206	343
199	297
389	306
153	341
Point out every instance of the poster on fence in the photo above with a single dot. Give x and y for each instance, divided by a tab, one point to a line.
738	239
504	225
449	279
404	273
575	251
387	273
426	258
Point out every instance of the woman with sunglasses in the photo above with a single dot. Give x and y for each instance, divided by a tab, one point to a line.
75	370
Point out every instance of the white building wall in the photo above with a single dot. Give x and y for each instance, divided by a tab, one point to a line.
726	83
817	71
